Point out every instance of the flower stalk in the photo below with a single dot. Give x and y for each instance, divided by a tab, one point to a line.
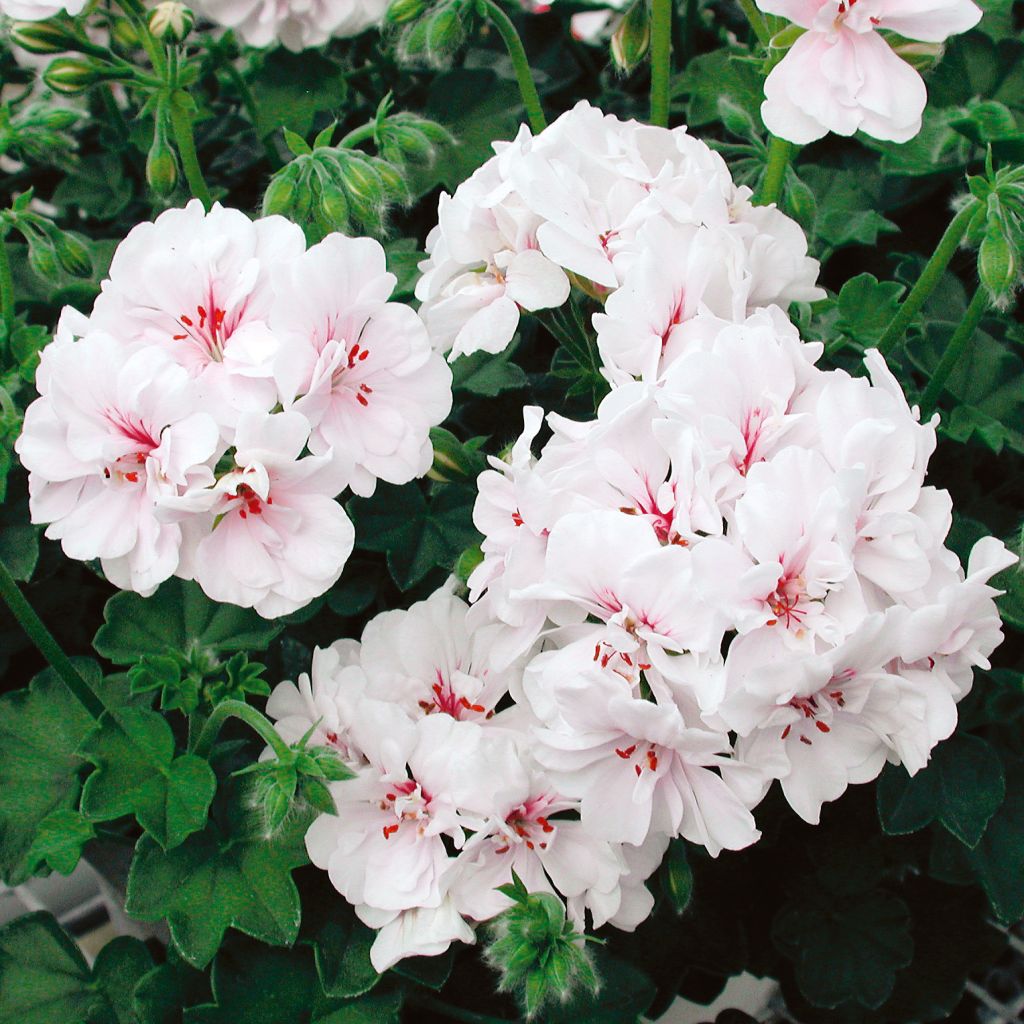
184	139
520	65
6	289
930	276
954	350
661	60
779	154
46	643
244	713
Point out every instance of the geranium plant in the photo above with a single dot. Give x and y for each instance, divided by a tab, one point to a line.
511	512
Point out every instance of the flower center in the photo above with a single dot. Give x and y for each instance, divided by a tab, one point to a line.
824	704
249	502
408	803
208	329
643	756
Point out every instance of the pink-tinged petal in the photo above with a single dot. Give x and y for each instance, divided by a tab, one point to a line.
892	95
786	91
490	329
534	282
931	21
800	12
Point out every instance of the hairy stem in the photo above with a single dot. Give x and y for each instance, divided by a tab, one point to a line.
661	60
184	139
930	276
6	289
779	153
520	64
357	135
44	640
954	350
256	721
757	22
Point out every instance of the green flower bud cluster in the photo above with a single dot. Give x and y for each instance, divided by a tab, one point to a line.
38	133
329	187
997	229
57	35
50	250
73	75
293	782
453	460
431	34
537	953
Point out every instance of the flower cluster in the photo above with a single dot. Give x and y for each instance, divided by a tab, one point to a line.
597	201
841	75
448	797
228	385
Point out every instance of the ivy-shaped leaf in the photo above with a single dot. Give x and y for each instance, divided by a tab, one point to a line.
416	536
256	985
162	995
59	840
178	619
137	773
998	859
40	730
342	953
44	977
865	306
488	375
845	947
961	787
223	877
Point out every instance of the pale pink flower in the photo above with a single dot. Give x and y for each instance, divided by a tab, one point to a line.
359	368
276	538
842	76
114	438
198	285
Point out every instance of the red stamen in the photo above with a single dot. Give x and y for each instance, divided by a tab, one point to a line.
822	727
389	830
627	753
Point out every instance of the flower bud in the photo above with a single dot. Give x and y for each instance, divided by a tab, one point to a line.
467	562
536	951
124	34
161	167
631	40
401	12
43	37
171	21
41	258
334	207
918	55
72	75
445	32
996	264
280	194
72	254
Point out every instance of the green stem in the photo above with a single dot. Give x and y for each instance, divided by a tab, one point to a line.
661	60
44	640
244	713
779	153
757	22
6	289
954	350
930	276
358	135
439	1006
520	64
181	125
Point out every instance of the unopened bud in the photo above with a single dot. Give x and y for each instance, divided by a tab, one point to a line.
467	562
996	264
72	254
161	167
632	39
400	12
42	259
445	32
43	37
72	75
171	21
334	207
917	54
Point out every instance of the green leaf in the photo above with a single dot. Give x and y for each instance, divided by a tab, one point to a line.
217	879
256	985
998	859
44	978
677	876
121	964
40	730
416	536
486	374
847	204
356	589
845	947
137	773
178	619
962	787
162	995
428	971
59	840
712	76
97	185
342	952
865	306
290	88
19	550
